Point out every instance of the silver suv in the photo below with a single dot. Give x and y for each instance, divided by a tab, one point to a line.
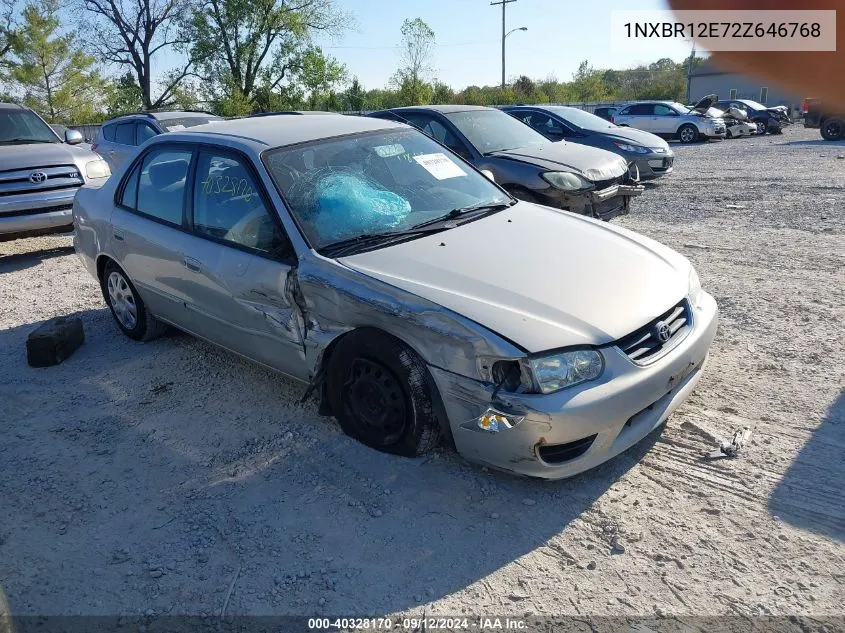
117	139
39	174
673	120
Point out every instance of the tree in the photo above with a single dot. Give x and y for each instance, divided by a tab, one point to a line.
442	93
258	43
355	98
124	96
7	30
59	80
415	64
134	34
320	75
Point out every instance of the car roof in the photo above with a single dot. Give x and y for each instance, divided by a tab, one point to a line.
284	112
162	116
443	109
259	133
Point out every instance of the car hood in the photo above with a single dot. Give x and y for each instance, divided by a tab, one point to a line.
41	155
592	163
541	278
705	103
633	135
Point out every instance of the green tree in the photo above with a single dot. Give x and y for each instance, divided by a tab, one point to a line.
588	84
355	97
124	96
58	79
442	93
415	64
252	44
7	29
320	75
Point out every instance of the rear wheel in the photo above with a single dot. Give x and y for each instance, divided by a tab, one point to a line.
127	307
833	129
761	126
382	394
688	133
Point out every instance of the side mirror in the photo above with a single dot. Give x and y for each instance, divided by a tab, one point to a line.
489	174
73	137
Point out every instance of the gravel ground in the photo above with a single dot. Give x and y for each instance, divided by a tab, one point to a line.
156	478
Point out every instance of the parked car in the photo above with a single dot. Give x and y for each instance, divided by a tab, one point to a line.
673	120
736	121
830	124
649	153
567	176
766	119
119	138
39	174
414	295
606	113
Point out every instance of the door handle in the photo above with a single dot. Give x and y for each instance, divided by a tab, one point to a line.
192	264
118	235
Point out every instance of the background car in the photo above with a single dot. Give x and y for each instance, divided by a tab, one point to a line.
670	119
830	124
40	173
766	119
117	138
413	295
606	113
649	153
524	162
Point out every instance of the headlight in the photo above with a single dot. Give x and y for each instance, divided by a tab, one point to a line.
628	147
694	286
564	369
566	180
97	169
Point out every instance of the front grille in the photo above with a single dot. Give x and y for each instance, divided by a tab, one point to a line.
604	184
647	344
37	179
38	211
559	453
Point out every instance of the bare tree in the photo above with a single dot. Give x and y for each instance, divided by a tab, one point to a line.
7	17
415	66
256	43
131	32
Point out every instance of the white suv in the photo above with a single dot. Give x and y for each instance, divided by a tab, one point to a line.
673	120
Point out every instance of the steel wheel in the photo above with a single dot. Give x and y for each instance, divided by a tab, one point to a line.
761	127
376	402
122	300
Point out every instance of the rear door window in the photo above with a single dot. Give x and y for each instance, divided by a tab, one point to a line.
640	109
108	132
144	132
161	187
663	110
125	134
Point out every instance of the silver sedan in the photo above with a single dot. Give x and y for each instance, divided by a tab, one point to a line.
416	298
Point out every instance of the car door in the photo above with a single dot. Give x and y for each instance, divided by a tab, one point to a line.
150	229
665	120
239	258
544	123
124	144
640	116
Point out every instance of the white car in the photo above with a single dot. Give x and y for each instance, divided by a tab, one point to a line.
416	297
673	120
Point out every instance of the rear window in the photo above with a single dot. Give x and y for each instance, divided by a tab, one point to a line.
108	132
125	134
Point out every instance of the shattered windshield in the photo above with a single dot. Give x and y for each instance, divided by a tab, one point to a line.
494	131
375	183
23	127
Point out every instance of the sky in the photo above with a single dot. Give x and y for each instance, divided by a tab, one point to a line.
561	34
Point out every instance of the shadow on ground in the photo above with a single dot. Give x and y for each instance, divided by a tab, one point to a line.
811	495
818	142
21	261
178	455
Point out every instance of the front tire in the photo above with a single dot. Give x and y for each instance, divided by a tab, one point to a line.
127	307
761	127
833	129
382	394
688	133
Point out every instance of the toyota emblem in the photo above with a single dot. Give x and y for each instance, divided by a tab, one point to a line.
37	177
662	331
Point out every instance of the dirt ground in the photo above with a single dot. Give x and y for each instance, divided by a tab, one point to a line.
156	478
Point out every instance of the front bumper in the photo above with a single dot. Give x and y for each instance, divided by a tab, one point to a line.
655	165
625	405
36	213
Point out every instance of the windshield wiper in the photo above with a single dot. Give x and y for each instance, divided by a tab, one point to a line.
345	246
15	141
460	211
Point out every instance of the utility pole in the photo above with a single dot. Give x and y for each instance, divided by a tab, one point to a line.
689	73
504	4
